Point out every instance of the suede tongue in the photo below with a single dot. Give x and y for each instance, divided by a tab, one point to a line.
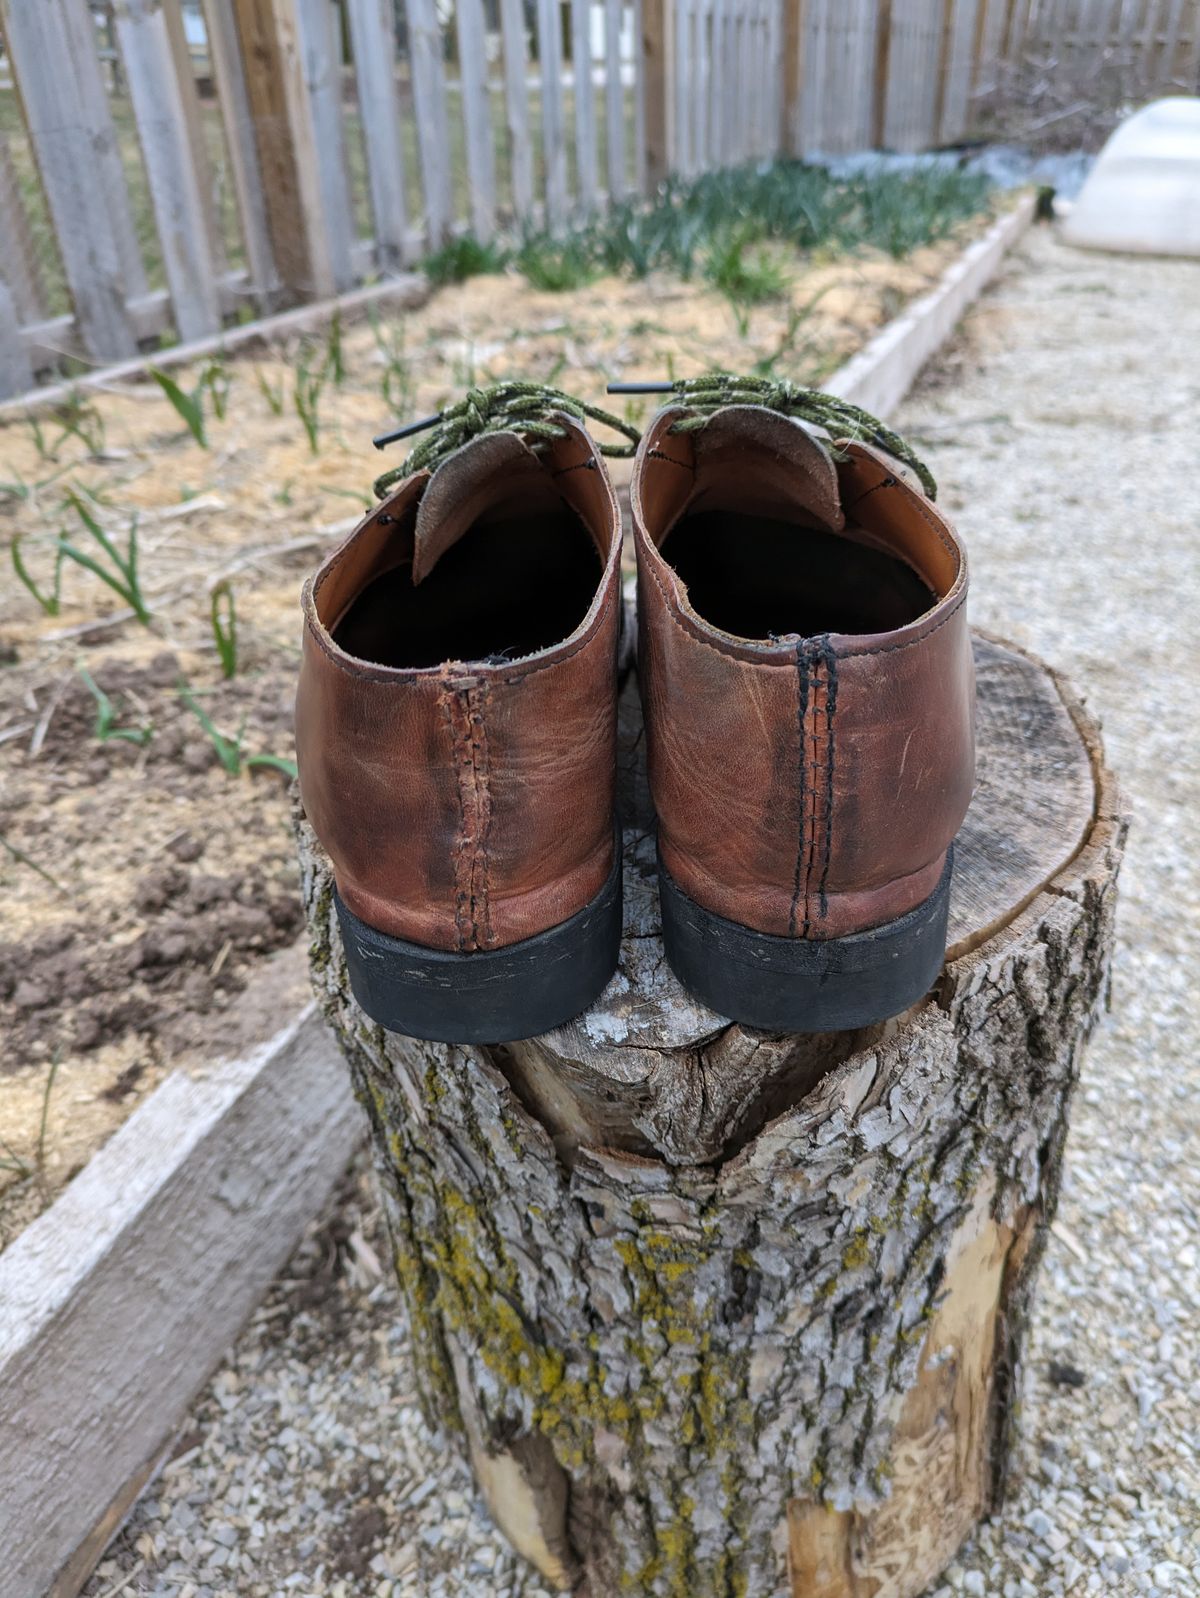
496	473
785	464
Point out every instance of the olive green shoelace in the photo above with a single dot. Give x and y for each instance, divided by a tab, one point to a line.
704	396
512	407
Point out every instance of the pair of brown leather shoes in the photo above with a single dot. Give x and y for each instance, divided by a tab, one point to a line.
806	676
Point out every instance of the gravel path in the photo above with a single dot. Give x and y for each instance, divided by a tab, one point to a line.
1063	428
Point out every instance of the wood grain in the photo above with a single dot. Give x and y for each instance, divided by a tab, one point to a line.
554	131
373	37
121	1298
229	75
477	115
701	1302
52	71
181	208
516	105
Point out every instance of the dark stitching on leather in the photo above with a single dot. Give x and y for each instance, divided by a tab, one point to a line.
830	706
917	504
481	898
579	466
657	454
802	829
888	482
464	704
373	518
446	699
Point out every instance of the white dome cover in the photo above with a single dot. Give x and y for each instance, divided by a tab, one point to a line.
1143	194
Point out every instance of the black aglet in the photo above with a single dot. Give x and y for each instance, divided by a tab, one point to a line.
384	439
640	388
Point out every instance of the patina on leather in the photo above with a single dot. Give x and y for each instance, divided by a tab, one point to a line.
455	721
808	778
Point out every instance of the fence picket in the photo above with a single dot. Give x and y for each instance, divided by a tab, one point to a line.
730	108
585	104
18	259
649	133
1170	48
181	59
321	58
516	105
554	141
16	373
681	97
373	40
794	40
614	101
958	80
766	68
433	125
739	63
179	210
86	94
752	87
868	26
477	116
836	70
704	144
76	193
1104	16
772	79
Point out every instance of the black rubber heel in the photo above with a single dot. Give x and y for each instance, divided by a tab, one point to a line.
491	995
800	984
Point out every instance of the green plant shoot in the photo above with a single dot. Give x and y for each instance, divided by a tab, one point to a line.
50	602
106	717
223	615
121	574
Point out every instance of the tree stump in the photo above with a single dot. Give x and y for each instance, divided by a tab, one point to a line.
721	1313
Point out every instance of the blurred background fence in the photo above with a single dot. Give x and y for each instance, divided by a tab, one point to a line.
170	167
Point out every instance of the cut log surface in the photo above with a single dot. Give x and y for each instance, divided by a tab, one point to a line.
715	1312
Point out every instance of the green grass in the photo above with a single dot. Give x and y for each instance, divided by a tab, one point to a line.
462	258
119	572
721	228
558	265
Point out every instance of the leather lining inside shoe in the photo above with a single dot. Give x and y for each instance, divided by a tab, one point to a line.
761	577
505	589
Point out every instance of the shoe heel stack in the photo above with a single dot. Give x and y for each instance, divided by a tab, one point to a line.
805	985
489	995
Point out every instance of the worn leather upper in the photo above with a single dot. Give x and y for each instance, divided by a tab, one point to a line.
466	804
806	786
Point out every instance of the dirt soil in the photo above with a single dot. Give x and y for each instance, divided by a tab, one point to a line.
142	884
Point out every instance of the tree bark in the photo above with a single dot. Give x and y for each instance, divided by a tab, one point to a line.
720	1313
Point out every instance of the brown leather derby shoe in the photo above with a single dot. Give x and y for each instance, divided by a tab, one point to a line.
456	722
808	686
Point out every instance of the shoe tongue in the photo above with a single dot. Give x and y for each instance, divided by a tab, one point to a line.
493	474
780	464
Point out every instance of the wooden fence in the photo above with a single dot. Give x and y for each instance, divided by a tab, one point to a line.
169	166
1114	50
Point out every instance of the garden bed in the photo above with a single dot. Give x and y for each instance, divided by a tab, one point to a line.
144	881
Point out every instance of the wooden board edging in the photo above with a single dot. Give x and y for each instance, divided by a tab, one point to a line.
884	370
119	1301
409	290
